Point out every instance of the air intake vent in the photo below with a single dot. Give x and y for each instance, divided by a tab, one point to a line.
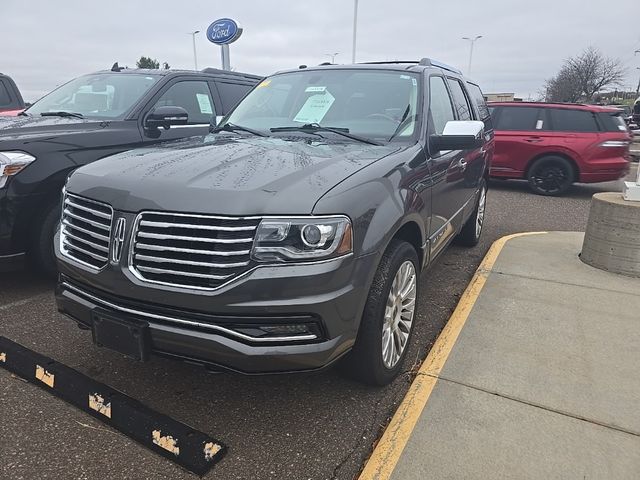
194	251
85	231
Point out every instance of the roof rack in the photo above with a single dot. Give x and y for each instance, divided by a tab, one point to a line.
428	62
434	63
389	61
230	72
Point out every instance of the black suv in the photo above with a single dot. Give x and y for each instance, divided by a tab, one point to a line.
291	236
89	118
11	101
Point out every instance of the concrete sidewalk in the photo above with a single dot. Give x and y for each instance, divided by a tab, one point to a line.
542	380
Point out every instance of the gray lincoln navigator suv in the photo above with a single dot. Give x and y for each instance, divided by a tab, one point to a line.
293	235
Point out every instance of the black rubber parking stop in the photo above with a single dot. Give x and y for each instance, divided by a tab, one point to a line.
193	450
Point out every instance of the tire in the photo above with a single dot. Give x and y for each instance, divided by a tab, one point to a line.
41	253
365	362
550	176
471	231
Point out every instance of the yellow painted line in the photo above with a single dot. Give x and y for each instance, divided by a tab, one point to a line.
385	456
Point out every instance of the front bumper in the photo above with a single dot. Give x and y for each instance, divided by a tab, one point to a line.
16	221
200	327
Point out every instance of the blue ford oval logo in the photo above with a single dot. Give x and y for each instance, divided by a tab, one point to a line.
223	31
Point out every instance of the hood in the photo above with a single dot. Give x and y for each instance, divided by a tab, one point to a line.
24	127
225	174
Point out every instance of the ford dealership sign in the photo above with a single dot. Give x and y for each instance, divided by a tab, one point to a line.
224	31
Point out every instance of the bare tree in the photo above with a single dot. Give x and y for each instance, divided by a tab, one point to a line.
584	75
595	72
564	87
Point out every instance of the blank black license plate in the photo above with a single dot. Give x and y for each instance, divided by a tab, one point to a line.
128	336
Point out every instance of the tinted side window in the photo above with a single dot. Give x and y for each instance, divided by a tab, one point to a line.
517	118
5	99
231	94
565	120
439	104
460	101
612	122
193	96
478	97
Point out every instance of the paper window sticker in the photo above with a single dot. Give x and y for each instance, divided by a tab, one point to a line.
315	108
204	102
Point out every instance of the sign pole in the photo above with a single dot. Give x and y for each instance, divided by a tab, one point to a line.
226	60
355	27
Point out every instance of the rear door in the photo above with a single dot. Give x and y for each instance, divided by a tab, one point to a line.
472	166
574	130
192	94
519	137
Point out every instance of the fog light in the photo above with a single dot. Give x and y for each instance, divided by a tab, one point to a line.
288	332
286	329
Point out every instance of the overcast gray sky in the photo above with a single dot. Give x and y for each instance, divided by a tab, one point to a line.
47	42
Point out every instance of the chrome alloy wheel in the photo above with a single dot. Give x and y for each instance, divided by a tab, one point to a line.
398	314
482	201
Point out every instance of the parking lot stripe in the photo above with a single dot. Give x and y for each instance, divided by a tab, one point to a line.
174	440
387	452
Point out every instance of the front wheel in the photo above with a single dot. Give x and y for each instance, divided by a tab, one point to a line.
550	176
387	323
41	253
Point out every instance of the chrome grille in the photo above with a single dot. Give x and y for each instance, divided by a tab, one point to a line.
85	230
196	251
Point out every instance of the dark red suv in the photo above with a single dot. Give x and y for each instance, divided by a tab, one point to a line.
553	145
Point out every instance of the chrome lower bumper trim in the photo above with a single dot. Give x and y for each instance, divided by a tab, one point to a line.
190	323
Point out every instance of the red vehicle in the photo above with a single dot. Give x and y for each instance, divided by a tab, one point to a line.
11	102
553	145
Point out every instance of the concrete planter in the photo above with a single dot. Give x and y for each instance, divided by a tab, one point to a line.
612	239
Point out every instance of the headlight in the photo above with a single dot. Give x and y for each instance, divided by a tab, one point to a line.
11	163
302	238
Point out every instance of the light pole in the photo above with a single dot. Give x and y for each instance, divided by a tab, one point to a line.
195	56
638	87
333	56
355	27
471	41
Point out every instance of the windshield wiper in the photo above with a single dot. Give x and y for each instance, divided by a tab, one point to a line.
62	113
315	127
232	127
404	121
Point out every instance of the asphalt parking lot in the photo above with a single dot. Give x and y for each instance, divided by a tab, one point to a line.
318	426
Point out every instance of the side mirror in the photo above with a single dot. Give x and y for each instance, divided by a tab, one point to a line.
165	117
459	135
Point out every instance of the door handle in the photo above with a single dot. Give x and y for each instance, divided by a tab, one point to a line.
533	139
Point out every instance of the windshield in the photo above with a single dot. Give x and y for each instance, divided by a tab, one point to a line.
101	95
373	104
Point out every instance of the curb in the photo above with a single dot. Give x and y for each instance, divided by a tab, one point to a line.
387	452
